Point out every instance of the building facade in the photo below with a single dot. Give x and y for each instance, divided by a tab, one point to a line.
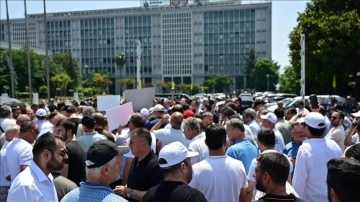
184	44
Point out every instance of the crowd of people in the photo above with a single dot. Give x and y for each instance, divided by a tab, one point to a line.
180	150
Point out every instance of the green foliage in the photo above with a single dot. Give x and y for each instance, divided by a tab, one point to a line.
259	78
218	83
99	81
332	31
61	81
4	71
289	82
127	82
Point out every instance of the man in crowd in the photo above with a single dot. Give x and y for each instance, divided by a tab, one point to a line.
90	136
249	117
343	180
10	132
103	161
206	120
156	115
35	183
174	161
297	136
269	120
19	153
282	125
192	132
314	153
337	132
242	149
144	171
219	177
74	168
271	174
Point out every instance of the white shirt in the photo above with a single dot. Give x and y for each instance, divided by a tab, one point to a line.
4	169
310	173
254	127
355	138
32	185
197	144
167	136
219	178
338	135
279	141
18	152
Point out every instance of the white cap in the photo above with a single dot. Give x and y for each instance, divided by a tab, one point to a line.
41	112
174	153
356	114
159	108
144	112
315	120
270	117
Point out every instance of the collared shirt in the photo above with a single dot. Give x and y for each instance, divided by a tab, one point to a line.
244	151
146	174
198	145
33	185
310	173
254	127
4	169
92	192
291	149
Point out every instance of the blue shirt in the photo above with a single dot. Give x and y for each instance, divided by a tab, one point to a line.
92	192
244	151
291	149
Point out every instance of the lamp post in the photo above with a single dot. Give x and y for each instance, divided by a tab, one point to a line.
267	76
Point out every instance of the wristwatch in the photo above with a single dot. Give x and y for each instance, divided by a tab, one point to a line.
129	192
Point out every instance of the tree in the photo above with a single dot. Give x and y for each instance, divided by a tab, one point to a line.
4	72
289	82
265	74
250	62
99	82
332	31
61	82
64	62
218	83
128	82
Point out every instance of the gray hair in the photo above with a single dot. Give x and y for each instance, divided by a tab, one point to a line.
88	111
97	170
192	123
249	112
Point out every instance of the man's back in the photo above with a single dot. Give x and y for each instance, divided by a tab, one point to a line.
18	152
89	139
219	178
167	136
173	191
310	173
338	135
243	151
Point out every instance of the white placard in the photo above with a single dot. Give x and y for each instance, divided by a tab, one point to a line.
105	102
140	97
119	115
35	98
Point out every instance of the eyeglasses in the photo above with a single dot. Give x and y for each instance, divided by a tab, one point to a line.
63	152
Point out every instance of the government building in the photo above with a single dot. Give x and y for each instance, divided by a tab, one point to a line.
181	41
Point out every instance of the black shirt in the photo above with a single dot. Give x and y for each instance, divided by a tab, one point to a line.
76	162
275	198
168	191
146	175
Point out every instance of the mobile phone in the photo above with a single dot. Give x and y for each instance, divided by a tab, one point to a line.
314	101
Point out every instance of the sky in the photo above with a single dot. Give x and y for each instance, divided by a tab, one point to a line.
284	16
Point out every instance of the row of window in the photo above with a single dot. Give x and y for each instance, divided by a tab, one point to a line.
136	20
55	25
99	23
220	15
93	33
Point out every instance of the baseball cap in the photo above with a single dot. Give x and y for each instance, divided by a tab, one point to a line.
41	112
356	114
102	152
315	120
188	113
144	112
270	117
173	154
159	108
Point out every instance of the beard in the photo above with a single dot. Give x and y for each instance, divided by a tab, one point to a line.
259	186
54	165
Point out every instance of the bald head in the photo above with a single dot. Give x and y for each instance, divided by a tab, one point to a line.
22	118
176	120
11	132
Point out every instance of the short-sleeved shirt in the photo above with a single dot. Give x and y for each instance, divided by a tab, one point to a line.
18	152
89	138
173	191
244	151
146	175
